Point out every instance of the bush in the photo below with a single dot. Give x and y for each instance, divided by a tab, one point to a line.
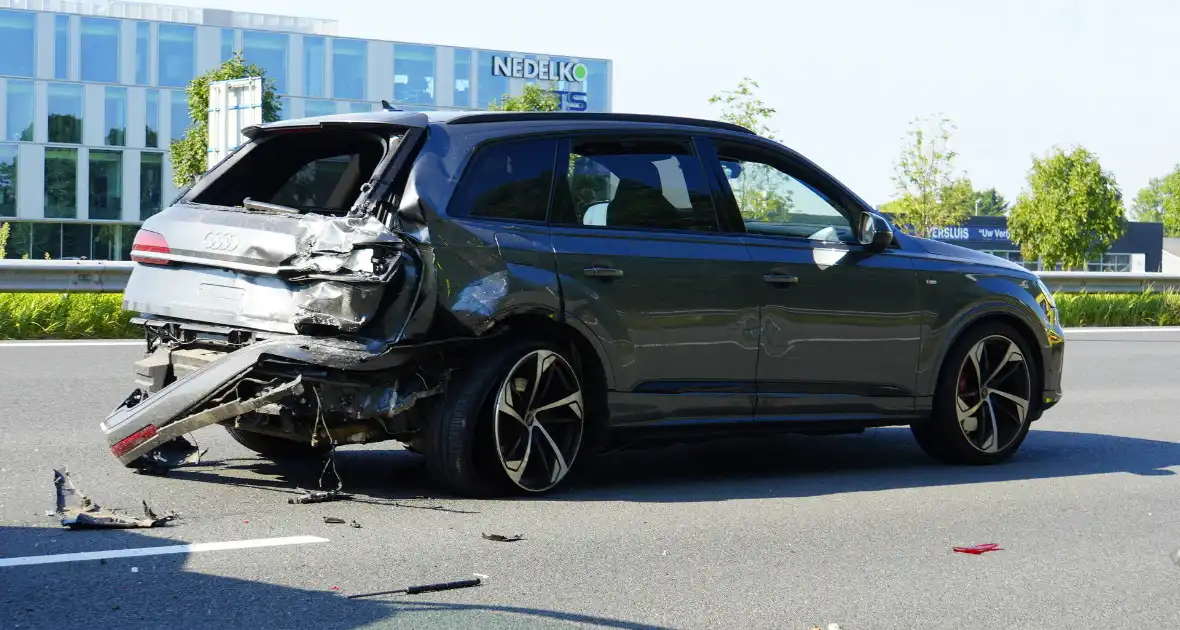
65	316
1150	308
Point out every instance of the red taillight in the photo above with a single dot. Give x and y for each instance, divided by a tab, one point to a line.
149	243
133	440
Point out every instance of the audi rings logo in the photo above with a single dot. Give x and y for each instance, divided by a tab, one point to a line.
221	242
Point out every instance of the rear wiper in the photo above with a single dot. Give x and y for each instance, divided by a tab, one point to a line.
267	207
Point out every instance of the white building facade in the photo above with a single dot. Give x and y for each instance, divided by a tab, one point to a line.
92	94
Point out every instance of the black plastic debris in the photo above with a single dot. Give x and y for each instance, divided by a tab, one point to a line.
318	496
355	524
77	511
425	588
332	520
502	538
171	454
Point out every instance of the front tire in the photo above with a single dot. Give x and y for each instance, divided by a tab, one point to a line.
512	421
985	399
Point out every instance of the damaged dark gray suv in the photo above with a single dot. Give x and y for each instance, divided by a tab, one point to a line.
508	293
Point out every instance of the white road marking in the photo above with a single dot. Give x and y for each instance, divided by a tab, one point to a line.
72	344
158	551
1123	329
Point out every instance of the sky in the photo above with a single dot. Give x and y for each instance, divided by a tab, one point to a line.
1017	77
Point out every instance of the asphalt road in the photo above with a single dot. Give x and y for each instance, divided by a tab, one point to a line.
786	533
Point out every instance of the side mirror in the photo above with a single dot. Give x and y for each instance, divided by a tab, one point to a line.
875	232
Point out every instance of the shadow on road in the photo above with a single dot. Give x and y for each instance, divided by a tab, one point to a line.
787	466
163	594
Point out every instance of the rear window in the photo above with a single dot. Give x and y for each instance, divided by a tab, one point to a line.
507	180
314	171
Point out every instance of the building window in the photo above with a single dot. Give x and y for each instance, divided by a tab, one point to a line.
269	52
319	108
61	183
143	55
106	184
20	111
413	74
116	116
595	86
462	78
151	184
61	46
492	87
8	180
19	240
285	108
100	43
227	44
46	241
313	66
17	42
360	108
65	113
180	119
151	136
349	68
177	61
106	241
1110	262
75	240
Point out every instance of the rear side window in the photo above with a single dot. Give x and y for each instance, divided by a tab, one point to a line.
648	183
507	180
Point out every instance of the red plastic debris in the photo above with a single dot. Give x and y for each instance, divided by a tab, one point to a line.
978	549
334	588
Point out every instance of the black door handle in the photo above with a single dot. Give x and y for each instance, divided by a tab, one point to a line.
603	272
780	278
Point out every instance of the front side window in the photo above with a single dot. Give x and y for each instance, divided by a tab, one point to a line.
100	45
507	180
349	68
413	74
655	184
61	183
106	184
774	202
177	62
269	52
19	117
65	113
8	180
18	31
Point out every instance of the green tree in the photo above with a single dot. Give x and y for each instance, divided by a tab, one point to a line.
758	188
190	153
988	203
534	99
1071	212
1159	202
930	193
3	240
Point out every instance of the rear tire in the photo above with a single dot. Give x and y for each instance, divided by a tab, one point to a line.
986	398
276	448
500	429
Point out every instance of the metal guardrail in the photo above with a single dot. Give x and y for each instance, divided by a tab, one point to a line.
110	276
64	276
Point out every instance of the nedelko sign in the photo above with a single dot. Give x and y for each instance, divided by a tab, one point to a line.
521	68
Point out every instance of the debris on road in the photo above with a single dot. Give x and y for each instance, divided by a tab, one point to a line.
436	508
355	524
332	520
501	538
77	511
426	588
171	454
318	496
1176	557
978	549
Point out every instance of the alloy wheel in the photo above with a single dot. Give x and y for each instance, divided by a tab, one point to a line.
993	393
538	420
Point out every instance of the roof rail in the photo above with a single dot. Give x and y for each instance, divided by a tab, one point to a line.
484	117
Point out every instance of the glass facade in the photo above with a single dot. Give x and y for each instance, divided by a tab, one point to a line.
413	74
100	45
18	37
20	114
314	66
106	185
268	51
8	180
349	68
101	98
61	183
177	49
65	113
61	46
116	116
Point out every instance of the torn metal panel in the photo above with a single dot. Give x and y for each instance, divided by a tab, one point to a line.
77	511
